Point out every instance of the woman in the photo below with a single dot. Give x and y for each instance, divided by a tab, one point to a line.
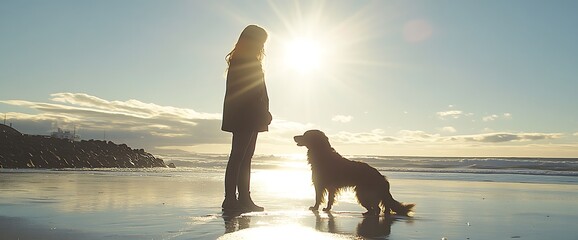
245	113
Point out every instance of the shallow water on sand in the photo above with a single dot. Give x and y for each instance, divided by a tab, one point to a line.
185	204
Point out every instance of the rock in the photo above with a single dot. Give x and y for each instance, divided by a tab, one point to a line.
171	165
30	151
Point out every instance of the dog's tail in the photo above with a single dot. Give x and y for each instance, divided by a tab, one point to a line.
388	202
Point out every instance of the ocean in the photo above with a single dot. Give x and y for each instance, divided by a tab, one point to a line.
474	165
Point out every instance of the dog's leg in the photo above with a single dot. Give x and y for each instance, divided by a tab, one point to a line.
369	199
330	199
372	210
387	210
318	196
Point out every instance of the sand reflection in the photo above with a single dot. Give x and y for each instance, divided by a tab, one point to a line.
236	223
281	225
369	227
98	191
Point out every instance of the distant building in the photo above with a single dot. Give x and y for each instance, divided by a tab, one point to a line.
65	135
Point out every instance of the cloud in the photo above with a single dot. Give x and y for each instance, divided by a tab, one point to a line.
506	137
448	129
342	118
379	136
451	113
94	113
494	117
490	118
416	136
130	107
144	124
375	136
455	114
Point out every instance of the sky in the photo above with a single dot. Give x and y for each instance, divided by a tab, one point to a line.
401	78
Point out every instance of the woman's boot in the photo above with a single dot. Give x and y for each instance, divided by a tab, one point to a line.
231	204
247	203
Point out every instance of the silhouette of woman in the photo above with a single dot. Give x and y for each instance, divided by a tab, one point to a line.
245	114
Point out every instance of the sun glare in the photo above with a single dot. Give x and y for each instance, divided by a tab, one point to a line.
304	55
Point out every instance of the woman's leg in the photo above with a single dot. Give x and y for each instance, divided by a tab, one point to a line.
240	143
245	178
245	173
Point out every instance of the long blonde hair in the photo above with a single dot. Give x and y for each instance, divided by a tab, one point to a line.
250	44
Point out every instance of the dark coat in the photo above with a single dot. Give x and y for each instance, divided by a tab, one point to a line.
246	105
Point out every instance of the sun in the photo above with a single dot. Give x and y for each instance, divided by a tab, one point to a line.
304	55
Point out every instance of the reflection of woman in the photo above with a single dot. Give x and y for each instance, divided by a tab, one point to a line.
245	113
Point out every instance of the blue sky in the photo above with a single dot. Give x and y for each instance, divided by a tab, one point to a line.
435	78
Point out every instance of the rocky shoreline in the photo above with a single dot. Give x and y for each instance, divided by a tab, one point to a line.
18	150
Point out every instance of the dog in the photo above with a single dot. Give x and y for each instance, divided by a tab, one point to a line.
332	173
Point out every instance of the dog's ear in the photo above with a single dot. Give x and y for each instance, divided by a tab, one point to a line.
317	138
319	135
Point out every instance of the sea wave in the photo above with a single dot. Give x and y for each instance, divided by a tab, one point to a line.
541	166
495	165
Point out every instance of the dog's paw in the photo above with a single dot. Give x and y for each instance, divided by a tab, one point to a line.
326	209
313	208
370	214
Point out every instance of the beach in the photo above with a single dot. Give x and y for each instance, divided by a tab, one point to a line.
184	203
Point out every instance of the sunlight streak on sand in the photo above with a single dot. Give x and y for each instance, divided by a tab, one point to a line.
281	232
295	184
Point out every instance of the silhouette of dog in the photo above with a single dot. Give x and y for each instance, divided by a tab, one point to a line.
332	173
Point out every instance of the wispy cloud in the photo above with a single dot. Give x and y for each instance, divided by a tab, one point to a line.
342	118
455	114
490	118
378	136
130	107
452	113
413	136
505	137
448	129
494	117
124	119
375	136
421	143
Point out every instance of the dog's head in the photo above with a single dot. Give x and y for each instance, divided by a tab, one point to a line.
312	139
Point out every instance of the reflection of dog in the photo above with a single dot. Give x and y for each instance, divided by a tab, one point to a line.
371	227
332	173
375	227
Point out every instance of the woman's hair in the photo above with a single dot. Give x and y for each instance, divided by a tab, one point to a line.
250	44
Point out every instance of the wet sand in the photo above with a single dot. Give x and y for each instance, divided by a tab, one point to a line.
177	204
